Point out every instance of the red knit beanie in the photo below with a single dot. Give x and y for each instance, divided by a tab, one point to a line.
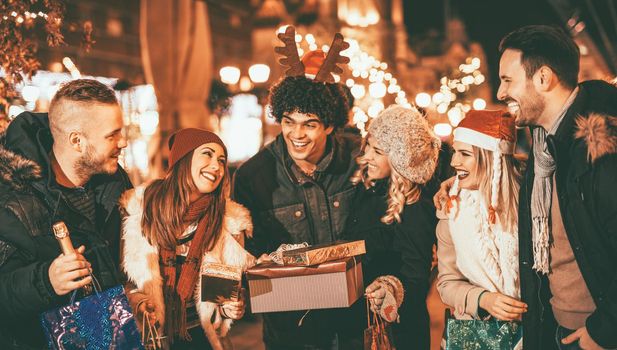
184	141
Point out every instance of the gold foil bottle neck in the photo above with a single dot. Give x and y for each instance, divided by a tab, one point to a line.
60	229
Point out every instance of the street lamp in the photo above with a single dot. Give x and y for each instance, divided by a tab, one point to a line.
259	73
230	75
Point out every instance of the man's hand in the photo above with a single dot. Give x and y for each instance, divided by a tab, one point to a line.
442	195
503	307
584	340
69	272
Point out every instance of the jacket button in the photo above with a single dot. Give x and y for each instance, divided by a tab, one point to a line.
336	204
298	214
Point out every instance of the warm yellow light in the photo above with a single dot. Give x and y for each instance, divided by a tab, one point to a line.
148	122
467	80
358	91
442	108
259	73
350	82
377	90
30	93
282	29
374	109
423	99
245	84
442	129
479	104
475	62
479	79
230	74
438	98
455	115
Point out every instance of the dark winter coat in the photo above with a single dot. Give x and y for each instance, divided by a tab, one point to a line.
585	150
290	208
30	202
400	249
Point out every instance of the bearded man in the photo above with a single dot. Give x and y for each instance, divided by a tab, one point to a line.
61	166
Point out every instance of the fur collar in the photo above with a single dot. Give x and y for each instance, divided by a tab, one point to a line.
17	171
599	131
135	246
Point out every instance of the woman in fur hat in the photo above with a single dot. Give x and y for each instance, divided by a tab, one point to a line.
174	226
478	232
394	214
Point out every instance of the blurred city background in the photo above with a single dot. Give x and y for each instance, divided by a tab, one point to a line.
209	64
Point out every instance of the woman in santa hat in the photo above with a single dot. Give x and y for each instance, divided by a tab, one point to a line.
478	233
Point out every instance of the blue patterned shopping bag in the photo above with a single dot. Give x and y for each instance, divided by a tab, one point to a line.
100	321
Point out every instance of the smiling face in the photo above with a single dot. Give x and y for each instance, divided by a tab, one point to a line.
465	163
305	136
103	140
378	165
519	92
208	167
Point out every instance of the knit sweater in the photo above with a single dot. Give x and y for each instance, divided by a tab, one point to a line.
474	256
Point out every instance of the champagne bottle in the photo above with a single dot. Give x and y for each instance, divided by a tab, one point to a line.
61	232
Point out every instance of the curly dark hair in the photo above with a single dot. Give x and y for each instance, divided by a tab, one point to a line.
300	94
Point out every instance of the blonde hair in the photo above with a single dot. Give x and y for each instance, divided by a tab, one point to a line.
506	208
401	191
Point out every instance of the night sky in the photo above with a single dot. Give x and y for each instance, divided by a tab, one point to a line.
487	21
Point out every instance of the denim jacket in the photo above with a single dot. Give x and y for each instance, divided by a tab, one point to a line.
289	207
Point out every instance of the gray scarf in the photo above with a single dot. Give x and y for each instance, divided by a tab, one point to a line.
541	195
542	192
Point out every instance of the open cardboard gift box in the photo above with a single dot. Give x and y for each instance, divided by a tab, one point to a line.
333	284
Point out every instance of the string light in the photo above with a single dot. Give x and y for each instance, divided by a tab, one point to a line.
363	67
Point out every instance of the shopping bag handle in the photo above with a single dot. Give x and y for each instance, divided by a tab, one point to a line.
96	286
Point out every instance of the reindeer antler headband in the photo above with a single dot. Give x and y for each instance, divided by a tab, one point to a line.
295	66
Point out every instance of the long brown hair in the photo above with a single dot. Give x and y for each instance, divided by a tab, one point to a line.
167	200
511	174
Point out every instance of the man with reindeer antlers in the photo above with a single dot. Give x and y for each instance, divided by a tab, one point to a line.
297	188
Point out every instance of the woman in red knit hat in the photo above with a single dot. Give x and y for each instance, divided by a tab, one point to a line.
175	225
477	233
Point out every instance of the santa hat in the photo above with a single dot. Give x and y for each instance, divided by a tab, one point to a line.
494	131
312	61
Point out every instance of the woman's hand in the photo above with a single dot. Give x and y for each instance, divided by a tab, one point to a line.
375	292
233	309
147	309
442	195
502	307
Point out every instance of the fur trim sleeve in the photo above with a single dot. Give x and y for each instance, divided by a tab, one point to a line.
600	134
139	258
238	219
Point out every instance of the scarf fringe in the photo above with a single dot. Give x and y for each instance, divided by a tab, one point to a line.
541	244
175	320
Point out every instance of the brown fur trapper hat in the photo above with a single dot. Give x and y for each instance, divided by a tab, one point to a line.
405	135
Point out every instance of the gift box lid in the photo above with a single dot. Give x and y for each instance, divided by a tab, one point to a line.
269	270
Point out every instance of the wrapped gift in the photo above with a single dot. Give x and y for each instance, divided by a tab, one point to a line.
220	282
333	284
317	254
